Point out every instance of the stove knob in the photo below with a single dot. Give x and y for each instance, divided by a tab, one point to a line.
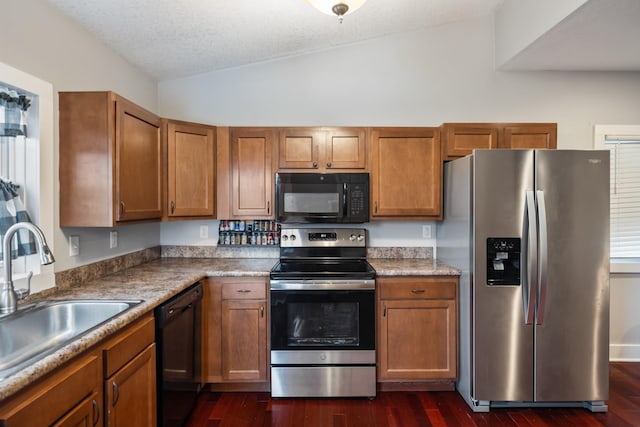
360	237
285	237
323	356
293	237
352	237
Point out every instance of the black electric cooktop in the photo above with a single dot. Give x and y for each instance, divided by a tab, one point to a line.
310	269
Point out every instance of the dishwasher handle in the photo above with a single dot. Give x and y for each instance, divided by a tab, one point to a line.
179	304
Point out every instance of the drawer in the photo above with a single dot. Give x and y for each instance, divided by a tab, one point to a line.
417	287
52	397
241	289
127	344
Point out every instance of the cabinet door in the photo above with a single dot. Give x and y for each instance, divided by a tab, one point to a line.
534	135
460	139
418	339
130	394
138	163
345	149
252	173
244	340
406	173
299	148
191	170
85	414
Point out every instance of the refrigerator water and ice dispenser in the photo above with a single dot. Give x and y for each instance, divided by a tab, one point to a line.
503	261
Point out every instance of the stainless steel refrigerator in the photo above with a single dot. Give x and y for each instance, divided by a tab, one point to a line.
529	229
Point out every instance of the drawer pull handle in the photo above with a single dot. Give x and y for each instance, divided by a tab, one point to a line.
96	412
116	393
417	291
244	291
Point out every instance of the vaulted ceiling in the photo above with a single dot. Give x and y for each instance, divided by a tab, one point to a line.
177	38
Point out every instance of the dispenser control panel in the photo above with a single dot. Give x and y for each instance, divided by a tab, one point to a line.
503	261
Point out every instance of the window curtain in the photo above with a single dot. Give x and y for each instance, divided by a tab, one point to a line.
13	108
13	128
11	212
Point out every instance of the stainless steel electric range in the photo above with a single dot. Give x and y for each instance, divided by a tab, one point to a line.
323	315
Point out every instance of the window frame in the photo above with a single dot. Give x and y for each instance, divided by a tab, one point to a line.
44	215
617	265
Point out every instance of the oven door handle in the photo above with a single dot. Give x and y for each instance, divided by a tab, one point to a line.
321	285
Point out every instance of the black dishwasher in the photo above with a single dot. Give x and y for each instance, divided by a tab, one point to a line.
178	337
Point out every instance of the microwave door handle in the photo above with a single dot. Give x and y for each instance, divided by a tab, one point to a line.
345	188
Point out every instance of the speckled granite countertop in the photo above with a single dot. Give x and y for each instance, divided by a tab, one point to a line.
153	282
411	267
156	281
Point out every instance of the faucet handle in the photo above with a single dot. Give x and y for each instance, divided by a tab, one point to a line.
23	293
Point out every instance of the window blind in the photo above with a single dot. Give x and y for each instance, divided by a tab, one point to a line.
624	195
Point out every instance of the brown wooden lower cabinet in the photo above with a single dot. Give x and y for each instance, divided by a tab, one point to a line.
130	394
112	384
235	355
417	330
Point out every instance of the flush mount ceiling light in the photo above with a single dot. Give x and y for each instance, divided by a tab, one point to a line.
339	8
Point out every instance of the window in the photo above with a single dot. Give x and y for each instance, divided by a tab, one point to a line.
624	143
28	160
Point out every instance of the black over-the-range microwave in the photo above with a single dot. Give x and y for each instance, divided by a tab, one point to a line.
322	197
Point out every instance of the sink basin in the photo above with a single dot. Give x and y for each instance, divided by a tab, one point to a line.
38	330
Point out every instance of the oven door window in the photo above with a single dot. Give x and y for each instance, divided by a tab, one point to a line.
322	320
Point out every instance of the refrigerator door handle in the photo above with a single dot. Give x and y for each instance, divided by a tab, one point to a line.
530	237
544	256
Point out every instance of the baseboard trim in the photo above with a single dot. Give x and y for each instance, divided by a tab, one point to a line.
624	352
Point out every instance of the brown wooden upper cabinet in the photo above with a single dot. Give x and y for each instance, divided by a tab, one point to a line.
460	139
191	169
252	172
322	149
406	173
110	161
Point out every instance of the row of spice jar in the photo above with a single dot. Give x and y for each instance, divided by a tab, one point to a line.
249	226
256	238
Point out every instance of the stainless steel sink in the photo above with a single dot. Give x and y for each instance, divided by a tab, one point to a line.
38	330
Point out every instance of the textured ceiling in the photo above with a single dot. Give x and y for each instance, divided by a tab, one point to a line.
177	38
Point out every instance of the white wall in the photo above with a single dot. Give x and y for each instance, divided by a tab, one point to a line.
38	40
423	78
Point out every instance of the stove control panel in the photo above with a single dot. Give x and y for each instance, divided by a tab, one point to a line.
323	237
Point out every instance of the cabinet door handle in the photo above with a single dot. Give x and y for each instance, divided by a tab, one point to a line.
375	207
328	164
173	206
268	207
384	311
262	311
122	208
96	412
417	291
116	393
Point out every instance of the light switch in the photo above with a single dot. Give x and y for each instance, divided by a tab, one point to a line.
426	231
74	245
113	239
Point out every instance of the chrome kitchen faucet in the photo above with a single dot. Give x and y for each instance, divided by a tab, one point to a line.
8	295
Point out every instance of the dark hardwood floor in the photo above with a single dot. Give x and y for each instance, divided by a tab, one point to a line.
412	409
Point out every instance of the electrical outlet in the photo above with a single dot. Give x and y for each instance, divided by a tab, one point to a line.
113	239
426	231
204	232
74	245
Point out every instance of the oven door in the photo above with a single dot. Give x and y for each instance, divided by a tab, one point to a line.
322	319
